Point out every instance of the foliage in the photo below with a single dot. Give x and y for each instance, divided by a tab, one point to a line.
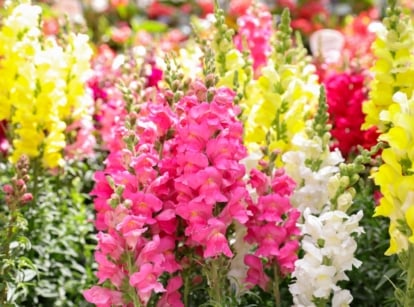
16	270
61	233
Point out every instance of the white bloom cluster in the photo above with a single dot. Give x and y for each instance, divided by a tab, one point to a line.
329	251
315	186
327	229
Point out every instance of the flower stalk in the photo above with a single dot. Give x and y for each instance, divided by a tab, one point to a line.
276	284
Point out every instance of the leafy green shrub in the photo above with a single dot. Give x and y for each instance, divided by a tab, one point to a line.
62	234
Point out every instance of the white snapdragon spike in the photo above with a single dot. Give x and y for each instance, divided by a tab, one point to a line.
315	187
327	229
329	249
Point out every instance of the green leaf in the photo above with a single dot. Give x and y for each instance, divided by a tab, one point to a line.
386	277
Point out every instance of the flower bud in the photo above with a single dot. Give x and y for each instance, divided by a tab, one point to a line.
20	183
344	182
7	188
27	197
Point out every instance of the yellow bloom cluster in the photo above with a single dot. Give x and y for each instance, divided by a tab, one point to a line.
396	176
394	67
42	84
278	103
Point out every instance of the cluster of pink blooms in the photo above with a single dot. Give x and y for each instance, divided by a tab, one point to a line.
109	103
346	93
272	227
255	29
173	183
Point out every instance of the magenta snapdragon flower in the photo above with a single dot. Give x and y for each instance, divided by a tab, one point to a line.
272	227
255	29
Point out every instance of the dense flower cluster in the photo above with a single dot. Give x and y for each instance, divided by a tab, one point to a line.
395	177
182	172
345	95
272	227
323	196
42	85
255	29
283	96
394	67
329	252
223	179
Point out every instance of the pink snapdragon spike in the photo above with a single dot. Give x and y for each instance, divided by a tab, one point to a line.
109	105
181	181
272	227
255	29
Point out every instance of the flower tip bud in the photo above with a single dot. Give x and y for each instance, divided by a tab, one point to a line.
27	197
20	183
7	188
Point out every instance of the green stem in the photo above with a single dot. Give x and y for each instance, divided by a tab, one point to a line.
186	287
276	282
3	295
132	292
409	291
215	281
36	169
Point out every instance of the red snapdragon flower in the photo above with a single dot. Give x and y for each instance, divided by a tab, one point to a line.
345	95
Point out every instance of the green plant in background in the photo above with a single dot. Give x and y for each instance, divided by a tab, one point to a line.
372	284
16	269
62	235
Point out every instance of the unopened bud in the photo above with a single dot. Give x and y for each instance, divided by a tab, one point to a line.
128	203
344	182
210	80
119	190
175	85
211	92
7	188
263	163
27	197
20	183
178	95
169	94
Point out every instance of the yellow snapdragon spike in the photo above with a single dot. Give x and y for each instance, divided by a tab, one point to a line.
42	84
278	103
396	177
394	68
